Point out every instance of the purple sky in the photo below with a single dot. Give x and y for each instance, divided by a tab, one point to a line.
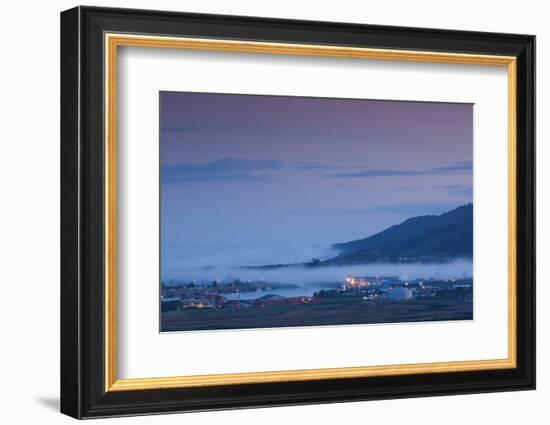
262	179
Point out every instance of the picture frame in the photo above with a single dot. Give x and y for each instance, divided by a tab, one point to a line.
91	38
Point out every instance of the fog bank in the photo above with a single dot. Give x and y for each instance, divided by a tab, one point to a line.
320	275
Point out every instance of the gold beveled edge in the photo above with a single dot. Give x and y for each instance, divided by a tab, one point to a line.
112	41
303	49
512	212
307	375
110	214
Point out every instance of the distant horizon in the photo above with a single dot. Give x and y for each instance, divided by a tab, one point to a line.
276	178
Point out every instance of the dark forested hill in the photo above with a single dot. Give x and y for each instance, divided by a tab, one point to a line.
426	238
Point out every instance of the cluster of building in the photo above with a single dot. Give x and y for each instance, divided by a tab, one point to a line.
352	288
208	301
176	301
234	294
396	289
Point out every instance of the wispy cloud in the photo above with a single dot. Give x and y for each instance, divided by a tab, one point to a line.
455	168
402	209
321	166
457	189
463	190
177	129
465	166
226	169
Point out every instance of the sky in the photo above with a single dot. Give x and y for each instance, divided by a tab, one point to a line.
251	180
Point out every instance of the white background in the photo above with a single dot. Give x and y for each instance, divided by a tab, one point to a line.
143	72
29	226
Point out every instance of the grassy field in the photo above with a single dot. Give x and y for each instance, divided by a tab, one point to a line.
335	312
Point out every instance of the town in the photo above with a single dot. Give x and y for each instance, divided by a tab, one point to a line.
428	299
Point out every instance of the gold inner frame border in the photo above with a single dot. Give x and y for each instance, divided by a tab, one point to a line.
111	43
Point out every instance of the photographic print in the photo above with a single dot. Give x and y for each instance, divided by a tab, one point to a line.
284	211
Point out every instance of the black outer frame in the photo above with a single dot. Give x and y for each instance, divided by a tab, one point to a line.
82	219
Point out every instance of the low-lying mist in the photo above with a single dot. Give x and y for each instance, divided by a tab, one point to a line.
300	275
